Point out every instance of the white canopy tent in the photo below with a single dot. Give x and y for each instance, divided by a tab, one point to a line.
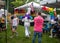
35	5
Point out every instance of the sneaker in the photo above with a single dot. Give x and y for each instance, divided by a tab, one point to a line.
51	36
16	34
55	36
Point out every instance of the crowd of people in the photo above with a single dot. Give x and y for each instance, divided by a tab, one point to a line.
40	26
51	27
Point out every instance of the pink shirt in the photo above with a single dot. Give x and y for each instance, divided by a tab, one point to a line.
38	23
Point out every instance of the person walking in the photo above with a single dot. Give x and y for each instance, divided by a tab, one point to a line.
14	22
26	21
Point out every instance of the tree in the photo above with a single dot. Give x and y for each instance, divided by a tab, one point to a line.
17	3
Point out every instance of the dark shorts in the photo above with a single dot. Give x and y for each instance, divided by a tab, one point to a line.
14	27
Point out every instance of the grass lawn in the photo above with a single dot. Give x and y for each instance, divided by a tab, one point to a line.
21	38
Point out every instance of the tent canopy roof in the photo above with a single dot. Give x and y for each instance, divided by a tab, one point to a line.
54	5
35	5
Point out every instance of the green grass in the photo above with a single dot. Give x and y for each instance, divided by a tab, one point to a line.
21	38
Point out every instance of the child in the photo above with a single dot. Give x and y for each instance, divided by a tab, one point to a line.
46	27
14	22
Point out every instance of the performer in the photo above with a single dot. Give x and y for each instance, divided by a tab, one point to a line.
26	21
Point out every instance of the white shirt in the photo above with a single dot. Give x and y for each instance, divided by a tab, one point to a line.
15	22
26	21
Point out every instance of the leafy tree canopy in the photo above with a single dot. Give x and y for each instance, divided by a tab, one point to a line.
17	3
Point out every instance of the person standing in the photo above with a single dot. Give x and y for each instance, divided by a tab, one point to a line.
3	24
1	16
58	29
26	21
14	22
38	25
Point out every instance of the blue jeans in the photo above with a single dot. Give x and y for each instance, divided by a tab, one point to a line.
39	37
